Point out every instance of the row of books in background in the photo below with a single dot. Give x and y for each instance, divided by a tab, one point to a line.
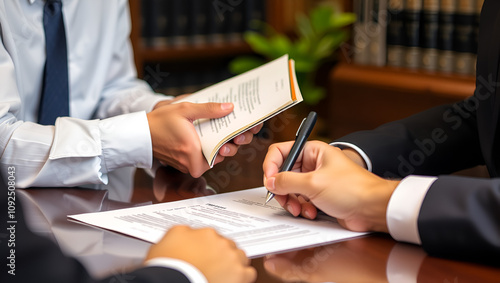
183	81
179	23
432	35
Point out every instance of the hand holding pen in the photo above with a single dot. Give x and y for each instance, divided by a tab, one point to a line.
300	139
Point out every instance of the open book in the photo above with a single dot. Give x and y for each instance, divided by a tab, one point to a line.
257	95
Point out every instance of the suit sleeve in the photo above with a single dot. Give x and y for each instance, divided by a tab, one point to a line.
426	143
460	218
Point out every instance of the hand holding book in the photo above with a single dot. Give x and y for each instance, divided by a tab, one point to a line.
257	95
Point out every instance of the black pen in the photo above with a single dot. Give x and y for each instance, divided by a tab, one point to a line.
300	139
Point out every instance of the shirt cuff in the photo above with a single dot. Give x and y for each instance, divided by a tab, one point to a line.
404	207
126	141
404	263
365	157
191	272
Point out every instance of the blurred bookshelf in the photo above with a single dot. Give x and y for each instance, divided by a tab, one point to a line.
367	93
184	45
383	93
364	95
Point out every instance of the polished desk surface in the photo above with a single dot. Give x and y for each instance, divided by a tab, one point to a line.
373	258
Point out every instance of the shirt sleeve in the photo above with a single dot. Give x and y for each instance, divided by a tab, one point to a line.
363	155
404	207
191	272
77	152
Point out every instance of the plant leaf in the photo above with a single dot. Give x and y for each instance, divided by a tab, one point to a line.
304	27
321	18
340	20
304	66
325	47
245	63
312	95
259	43
280	45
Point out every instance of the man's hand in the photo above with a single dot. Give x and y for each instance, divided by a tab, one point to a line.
174	138
325	178
218	258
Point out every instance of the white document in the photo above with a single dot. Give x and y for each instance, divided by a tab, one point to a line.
242	216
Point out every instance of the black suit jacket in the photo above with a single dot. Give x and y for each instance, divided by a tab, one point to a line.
38	259
459	217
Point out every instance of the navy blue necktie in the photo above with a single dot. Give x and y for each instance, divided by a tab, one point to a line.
55	95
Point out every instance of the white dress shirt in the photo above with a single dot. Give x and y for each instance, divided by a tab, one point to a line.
108	129
85	148
404	205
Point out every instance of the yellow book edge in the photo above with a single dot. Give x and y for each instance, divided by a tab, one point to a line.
292	79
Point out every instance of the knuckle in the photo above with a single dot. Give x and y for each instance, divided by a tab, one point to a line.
183	106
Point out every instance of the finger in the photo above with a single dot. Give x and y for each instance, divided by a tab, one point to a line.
231	244
275	156
256	128
194	111
308	210
198	167
244	138
228	149
293	205
281	199
218	159
290	203
250	274
291	183
243	257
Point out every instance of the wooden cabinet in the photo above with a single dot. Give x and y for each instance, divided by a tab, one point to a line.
364	97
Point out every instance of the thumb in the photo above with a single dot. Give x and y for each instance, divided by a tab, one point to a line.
290	183
208	110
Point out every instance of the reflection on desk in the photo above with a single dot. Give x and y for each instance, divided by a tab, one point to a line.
375	258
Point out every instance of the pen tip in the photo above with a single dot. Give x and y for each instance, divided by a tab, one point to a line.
269	197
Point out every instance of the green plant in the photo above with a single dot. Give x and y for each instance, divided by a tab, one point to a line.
318	36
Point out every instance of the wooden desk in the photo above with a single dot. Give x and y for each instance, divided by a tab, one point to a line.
374	258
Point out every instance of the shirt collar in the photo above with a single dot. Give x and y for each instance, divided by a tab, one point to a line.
32	1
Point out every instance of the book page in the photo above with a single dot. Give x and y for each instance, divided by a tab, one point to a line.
242	216
257	95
